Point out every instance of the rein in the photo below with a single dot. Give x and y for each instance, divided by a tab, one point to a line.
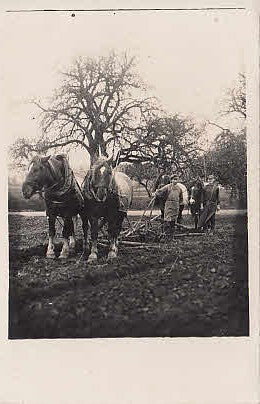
109	189
88	186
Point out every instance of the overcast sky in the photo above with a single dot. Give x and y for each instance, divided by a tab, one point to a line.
188	57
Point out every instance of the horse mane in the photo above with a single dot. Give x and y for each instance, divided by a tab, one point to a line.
35	159
59	167
99	163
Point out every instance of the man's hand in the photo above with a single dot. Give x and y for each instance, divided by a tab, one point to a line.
218	207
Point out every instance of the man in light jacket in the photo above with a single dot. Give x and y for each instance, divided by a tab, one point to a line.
174	198
184	202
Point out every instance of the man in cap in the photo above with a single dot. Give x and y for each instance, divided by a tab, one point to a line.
211	203
173	195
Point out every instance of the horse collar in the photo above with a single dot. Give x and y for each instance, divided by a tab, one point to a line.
53	169
55	174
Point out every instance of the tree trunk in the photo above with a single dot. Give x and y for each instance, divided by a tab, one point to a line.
94	153
93	158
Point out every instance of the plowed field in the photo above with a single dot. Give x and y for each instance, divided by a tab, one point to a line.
192	286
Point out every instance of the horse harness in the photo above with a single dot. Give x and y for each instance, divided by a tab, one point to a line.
112	190
90	193
65	191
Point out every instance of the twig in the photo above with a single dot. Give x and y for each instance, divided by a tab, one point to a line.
155	217
173	265
183	226
138	224
129	243
77	262
189	234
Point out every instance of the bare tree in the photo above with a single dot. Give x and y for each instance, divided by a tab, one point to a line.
227	160
227	156
235	102
144	173
170	143
97	101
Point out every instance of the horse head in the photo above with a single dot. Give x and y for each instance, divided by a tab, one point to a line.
198	184
166	179
42	172
100	179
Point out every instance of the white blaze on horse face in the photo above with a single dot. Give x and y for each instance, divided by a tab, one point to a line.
30	167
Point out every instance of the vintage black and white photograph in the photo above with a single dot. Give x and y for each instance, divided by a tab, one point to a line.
127	174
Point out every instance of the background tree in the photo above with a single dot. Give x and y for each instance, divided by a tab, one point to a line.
235	100
227	160
143	173
227	157
170	143
97	101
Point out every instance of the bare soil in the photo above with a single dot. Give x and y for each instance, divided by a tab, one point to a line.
190	287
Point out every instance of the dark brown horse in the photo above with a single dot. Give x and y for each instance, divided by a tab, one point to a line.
107	194
195	201
62	196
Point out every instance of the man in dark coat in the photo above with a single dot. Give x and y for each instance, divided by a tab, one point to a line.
211	203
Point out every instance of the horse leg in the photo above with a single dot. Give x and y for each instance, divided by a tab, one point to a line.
72	240
66	232
114	228
50	250
196	219
94	234
85	233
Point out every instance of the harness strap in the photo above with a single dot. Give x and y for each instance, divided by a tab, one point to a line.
54	170
90	190
56	176
64	185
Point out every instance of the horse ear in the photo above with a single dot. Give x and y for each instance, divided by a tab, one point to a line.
61	156
45	159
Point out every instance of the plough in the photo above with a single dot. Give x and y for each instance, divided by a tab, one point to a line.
148	230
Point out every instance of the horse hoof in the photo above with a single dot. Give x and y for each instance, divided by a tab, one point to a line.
50	255
63	256
111	256
92	258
